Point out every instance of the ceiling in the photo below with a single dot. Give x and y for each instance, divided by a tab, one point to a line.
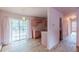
67	10
28	11
37	11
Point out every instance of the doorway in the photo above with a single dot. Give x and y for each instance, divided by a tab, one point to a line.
73	31
60	32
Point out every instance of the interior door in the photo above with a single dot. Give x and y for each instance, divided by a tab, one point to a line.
60	32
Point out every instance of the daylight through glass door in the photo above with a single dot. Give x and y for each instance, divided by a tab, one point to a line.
19	29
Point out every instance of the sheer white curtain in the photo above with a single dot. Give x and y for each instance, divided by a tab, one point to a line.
0	31
30	28
5	30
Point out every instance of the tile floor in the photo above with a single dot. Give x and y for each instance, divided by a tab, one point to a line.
67	45
32	45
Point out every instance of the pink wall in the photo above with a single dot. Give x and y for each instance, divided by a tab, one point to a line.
53	27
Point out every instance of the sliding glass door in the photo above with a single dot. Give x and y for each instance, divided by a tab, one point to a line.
19	29
24	27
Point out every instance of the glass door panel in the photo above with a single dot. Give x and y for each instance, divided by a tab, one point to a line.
15	30
23	30
19	29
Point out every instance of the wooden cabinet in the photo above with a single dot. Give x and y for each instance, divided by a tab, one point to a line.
36	34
